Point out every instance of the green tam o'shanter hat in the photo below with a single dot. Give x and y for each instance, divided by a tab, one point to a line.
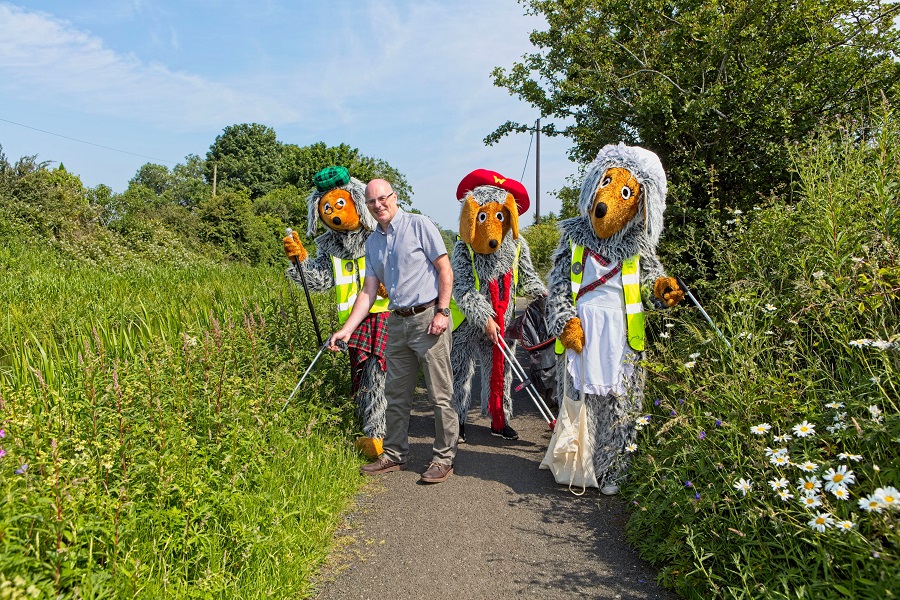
331	177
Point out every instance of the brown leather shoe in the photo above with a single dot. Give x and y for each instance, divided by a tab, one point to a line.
380	465
437	473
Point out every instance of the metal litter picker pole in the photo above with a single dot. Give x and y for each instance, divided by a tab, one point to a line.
526	383
312	312
341	344
684	287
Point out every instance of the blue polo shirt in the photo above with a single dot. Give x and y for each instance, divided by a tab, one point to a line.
403	258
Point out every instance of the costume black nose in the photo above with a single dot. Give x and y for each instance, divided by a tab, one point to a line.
337	220
492	244
600	210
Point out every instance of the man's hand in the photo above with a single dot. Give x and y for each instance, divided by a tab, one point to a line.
438	324
338	336
492	331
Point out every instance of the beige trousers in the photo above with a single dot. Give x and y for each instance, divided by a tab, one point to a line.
410	347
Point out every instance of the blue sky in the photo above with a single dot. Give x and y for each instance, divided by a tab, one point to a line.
406	81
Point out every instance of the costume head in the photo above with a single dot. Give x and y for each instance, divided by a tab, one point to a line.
622	183
339	201
491	208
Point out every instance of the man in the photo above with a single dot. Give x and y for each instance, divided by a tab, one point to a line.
406	253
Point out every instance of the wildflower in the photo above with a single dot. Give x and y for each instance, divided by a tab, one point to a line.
845	525
810	501
670	325
780	460
664	335
889	497
737	211
882	344
681	401
631	447
778	452
818	274
809	485
835	405
839	477
821	522
779	483
731	221
769	332
743	485
690	364
857	260
876	413
657	402
808	466
22	470
840	492
862	343
761	429
688	484
697	496
2	452
718	422
853	457
870	503
694	355
770	308
745	335
837	427
702	435
804	429
647	419
672	412
789	342
783	438
2	433
785	495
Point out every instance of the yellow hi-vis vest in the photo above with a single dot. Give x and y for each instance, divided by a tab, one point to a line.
348	275
456	314
631	288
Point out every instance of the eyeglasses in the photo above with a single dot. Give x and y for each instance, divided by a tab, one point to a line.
379	199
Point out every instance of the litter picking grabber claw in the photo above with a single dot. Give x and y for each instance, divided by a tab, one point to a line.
341	344
688	293
526	383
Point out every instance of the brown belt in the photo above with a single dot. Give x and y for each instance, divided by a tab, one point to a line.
414	310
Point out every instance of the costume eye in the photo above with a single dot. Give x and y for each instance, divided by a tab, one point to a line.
500	216
481	217
326	208
340	203
606	181
626	192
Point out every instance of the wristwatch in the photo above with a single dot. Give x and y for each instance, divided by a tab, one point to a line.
443	311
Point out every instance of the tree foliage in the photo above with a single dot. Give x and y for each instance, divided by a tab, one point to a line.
715	88
246	157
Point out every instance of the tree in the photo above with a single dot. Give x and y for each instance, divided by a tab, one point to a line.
245	157
301	163
155	177
715	88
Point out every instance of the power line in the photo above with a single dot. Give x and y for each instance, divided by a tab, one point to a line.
171	162
529	153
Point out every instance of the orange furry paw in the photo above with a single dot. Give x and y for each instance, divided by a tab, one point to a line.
382	291
572	335
293	247
666	290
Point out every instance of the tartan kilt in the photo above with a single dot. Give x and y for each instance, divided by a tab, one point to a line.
368	339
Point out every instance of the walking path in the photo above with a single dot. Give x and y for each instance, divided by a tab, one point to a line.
498	528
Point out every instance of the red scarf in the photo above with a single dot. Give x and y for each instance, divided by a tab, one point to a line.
499	302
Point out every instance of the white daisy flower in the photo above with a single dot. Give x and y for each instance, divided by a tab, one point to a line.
821	522
808	466
835	405
690	364
853	457
770	308
839	477
810	501
761	429
785	495
875	412
780	460
804	429
777	484
840	492
737	211
664	336
809	485
694	355
839	416
743	485
630	447
845	526
870	503
861	343
836	427
889	497
783	438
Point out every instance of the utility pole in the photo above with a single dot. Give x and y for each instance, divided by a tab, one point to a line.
214	179
537	174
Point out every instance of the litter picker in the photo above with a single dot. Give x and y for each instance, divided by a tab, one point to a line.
526	383
341	344
312	312
684	287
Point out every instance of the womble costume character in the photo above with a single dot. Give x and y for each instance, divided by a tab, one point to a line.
339	202
595	310
491	264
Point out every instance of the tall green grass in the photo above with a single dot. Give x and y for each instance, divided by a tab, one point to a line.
808	293
144	451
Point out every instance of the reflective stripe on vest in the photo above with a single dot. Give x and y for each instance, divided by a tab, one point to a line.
631	288
348	273
456	313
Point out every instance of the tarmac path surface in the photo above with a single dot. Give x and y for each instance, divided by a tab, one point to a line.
498	528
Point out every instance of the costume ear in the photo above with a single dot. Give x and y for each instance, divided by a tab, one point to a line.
510	205
467	220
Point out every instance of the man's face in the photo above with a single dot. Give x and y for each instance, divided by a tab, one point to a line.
381	202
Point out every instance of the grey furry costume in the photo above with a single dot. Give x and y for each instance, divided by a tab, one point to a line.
469	339
370	399
610	418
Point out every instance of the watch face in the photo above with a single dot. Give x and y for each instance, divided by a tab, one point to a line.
444	311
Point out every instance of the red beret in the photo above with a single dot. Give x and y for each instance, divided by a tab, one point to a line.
486	177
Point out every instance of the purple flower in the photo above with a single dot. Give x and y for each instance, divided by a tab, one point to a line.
688	484
681	401
702	435
2	433
21	470
697	496
672	412
718	422
657	402
2	452
648	417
